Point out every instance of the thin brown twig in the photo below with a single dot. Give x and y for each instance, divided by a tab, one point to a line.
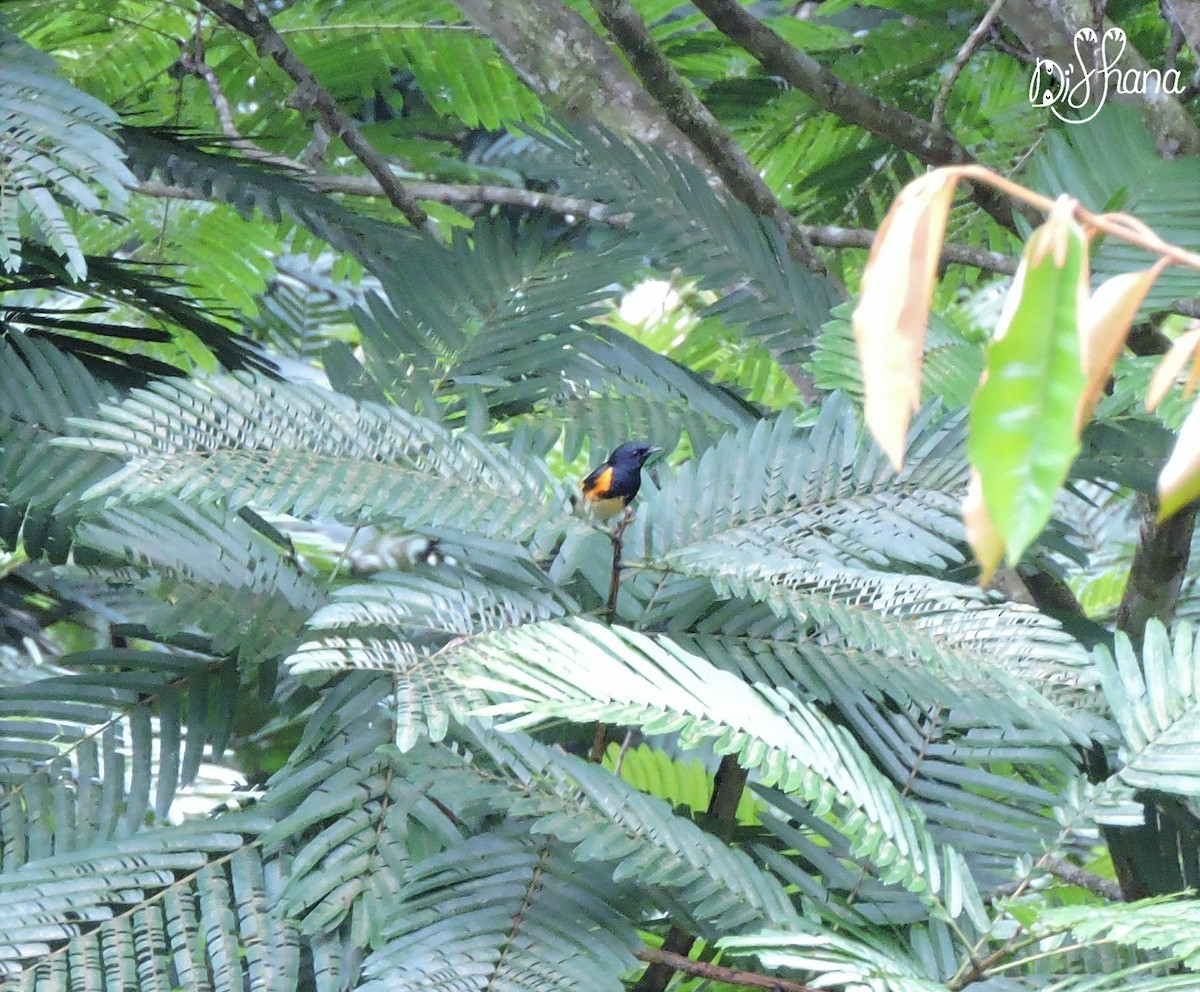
974	967
450	193
488	194
198	67
623	750
1098	885
255	25
618	546
827	236
974	40
1012	51
202	70
720	973
1129	229
617	536
1070	873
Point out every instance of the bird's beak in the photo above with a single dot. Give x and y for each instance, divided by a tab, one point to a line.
653	451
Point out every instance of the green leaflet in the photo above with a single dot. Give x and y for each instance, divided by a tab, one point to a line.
1022	436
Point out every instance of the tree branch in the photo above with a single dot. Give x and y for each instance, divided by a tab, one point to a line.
618	546
1054	597
686	111
931	145
824	236
974	40
1068	872
617	536
1158	568
201	69
1146	857
1187	308
488	195
253	23
860	237
564	61
728	785
719	973
1072	874
1048	27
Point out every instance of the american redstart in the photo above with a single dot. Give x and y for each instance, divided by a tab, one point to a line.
610	487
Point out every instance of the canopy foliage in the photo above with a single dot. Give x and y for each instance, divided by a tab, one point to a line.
314	676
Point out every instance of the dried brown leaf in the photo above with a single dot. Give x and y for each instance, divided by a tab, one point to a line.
1170	365
985	539
893	307
1104	324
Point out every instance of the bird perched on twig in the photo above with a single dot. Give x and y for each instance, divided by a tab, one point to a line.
610	487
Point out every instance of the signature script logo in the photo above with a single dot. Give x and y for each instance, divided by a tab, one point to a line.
1094	74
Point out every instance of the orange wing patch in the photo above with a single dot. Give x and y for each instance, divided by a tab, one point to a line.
596	487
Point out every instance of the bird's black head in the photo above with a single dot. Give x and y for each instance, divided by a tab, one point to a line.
632	453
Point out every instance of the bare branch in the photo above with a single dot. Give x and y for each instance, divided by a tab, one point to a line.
1072	874
688	113
562	59
618	546
862	237
974	40
932	145
576	207
198	67
660	972
1188	308
463	193
449	193
719	973
1048	29
1156	574
253	23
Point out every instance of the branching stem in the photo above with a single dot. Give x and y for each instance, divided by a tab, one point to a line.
254	24
618	545
974	40
720	973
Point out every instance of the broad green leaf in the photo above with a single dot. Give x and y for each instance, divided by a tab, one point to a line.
1023	435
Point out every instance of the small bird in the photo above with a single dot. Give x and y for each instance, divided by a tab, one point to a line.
610	487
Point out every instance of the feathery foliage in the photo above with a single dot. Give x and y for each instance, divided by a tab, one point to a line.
56	150
315	675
